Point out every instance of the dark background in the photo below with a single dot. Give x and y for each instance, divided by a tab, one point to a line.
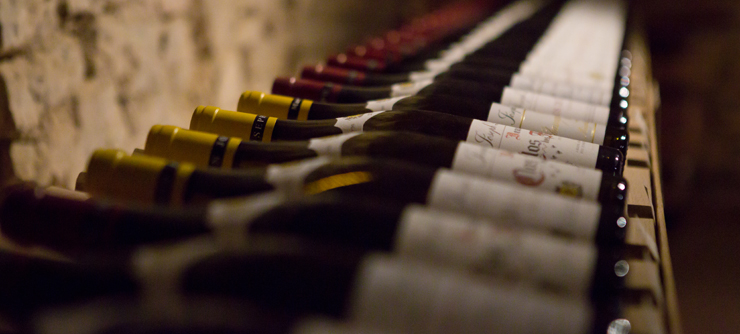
695	49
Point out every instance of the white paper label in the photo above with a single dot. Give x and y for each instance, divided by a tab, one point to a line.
528	171
354	123
592	95
409	88
555	106
330	146
383	104
423	75
548	124
289	178
538	144
159	267
481	247
408	297
439	65
499	201
229	218
327	326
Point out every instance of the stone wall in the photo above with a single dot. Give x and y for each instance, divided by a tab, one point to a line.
76	75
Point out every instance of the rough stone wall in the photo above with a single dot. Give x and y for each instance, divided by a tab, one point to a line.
76	75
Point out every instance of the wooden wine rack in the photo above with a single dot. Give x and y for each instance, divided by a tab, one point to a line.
653	306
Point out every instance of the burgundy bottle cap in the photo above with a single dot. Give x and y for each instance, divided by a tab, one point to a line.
356	63
306	89
379	51
333	74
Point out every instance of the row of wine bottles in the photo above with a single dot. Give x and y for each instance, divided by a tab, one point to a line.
460	174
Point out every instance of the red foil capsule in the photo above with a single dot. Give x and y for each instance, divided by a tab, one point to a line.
334	74
307	89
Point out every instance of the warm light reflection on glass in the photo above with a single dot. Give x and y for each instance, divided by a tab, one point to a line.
619	326
624	72
621	268
622	222
624	81
626	63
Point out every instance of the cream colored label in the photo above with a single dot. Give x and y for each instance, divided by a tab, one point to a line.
555	106
229	218
514	204
384	104
327	326
528	171
423	75
330	146
159	268
482	247
533	143
547	124
592	95
354	123
400	296
409	88
289	178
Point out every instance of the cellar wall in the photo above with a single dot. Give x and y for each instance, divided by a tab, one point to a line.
76	75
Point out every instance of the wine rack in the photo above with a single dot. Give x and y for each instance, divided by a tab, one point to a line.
655	305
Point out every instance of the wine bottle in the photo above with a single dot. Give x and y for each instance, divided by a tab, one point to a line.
404	183
500	249
196	147
68	223
454	88
185	315
444	102
591	95
29	283
459	89
382	292
145	180
505	120
305	278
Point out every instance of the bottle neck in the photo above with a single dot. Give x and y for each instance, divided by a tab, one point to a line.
290	130
257	154
75	227
321	110
205	185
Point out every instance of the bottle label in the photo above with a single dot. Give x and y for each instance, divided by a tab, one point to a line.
401	296
160	268
383	104
592	95
528	171
330	146
511	203
289	178
593	79
229	218
547	124
354	123
536	144
409	88
555	106
327	326
439	65
423	75
481	247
